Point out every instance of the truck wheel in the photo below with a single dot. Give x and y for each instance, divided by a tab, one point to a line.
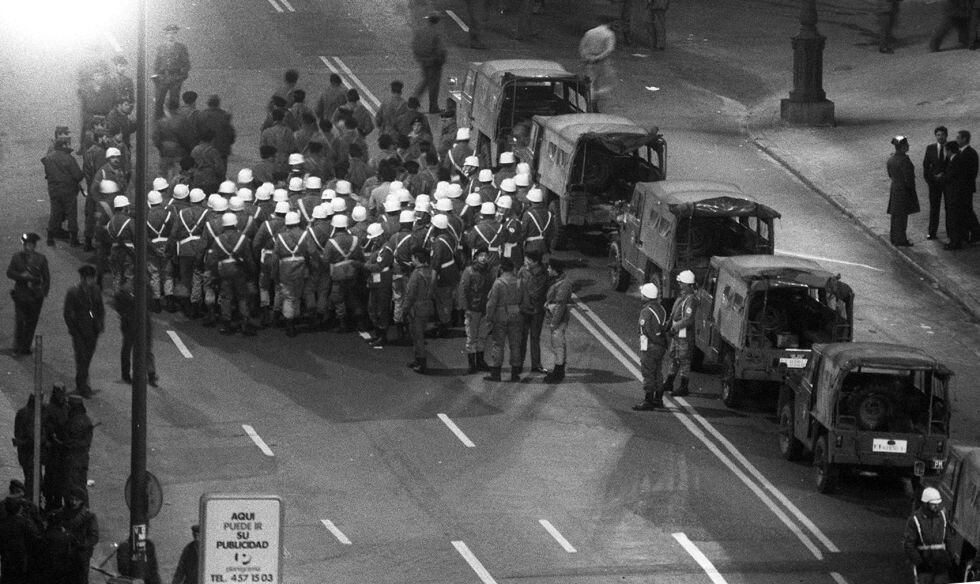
731	387
789	447
825	472
619	279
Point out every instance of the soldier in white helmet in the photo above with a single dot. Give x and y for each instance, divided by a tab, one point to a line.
100	209
163	187
508	168
294	252
469	179
180	200
400	244
378	265
344	256
263	246
185	245
159	222
538	225
653	344
486	188
232	263
471	211
925	540
389	220
443	260
246	179
117	241
297	167
359	222
457	155
485	235
227	188
209	283
681	331
512	232
319	283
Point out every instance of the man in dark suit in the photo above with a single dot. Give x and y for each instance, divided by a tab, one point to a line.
933	167
971	164
902	198
84	314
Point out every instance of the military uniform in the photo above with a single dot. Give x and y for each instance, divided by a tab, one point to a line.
32	280
231	261
681	345
186	246
419	294
159	222
653	343
506	323
293	252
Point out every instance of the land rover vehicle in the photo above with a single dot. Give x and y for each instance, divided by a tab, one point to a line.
498	99
866	406
670	226
759	315
960	488
590	162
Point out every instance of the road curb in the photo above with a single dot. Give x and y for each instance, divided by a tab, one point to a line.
941	282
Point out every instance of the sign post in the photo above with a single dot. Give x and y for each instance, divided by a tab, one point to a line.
241	538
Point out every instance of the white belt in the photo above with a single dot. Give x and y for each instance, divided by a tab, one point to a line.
935	546
535	238
292	259
190	238
447	264
229	260
158	239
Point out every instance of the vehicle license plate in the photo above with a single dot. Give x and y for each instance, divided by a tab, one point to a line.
887	445
794	362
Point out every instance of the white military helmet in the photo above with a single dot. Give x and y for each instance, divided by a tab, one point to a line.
444	205
120	201
227	188
505	202
220	205
454	191
212	198
313	183
422	199
154	198
343	187
395	185
650	290
339	221
441	186
282	207
296	159
474	200
181	191
523	168
111	152
328	195
268	186
522	180
406	216
197	196
229	220
108	187
244	194
160	184
338	205
507	185
535	195
440	221
263	194
321	211
488	208
404	196
507	157
279	195
375	230
931	495
471	161
292	218
462	134
686	277
296	184
358	213
245	176
423	206
485	176
236	204
392	204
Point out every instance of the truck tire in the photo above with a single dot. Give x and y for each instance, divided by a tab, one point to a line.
559	236
872	407
789	447
825	472
619	279
731	387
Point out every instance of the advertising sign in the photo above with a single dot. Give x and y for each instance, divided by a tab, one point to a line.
241	538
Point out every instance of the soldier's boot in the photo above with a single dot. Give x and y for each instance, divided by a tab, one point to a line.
171	304
683	389
494	374
556	375
471	357
210	318
155	305
73	239
88	245
481	364
669	384
515	373
420	366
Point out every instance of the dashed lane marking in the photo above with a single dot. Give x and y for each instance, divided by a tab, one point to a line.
458	20
557	535
337	66
276	6
258	440
838	578
455	430
700	558
474	563
180	344
288	6
357	82
335	531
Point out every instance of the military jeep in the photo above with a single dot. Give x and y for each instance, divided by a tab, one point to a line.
671	226
587	164
759	315
868	407
498	99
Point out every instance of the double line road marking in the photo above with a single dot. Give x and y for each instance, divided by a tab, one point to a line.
281	6
774	499
336	65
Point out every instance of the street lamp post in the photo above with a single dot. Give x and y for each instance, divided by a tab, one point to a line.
807	103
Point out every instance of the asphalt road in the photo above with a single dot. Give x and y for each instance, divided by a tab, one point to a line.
426	479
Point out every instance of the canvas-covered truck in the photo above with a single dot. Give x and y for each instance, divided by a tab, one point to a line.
759	315
960	489
875	407
588	164
670	226
498	99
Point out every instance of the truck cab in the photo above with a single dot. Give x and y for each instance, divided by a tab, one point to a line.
498	99
759	316
875	407
960	489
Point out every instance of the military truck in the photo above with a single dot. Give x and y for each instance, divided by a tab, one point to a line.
498	99
671	226
759	315
866	406
587	164
960	488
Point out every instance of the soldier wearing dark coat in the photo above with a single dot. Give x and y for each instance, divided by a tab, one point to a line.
84	315
32	280
902	198
63	175
54	417
170	68
82	528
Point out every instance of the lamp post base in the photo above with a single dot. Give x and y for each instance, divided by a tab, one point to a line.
807	113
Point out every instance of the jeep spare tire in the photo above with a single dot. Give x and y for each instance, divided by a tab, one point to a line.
872	407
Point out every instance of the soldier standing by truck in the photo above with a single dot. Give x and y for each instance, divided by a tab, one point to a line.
681	335
925	540
652	346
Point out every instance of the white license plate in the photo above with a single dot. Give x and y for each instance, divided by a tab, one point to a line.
937	465
887	445
794	362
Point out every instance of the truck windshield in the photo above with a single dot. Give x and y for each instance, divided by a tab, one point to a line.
894	400
700	238
523	99
793	316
